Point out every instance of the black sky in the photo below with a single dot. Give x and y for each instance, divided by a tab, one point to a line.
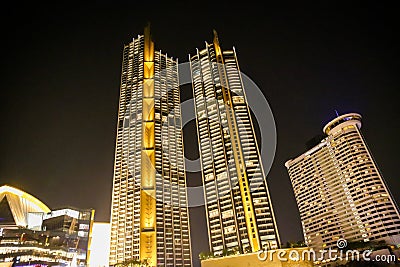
60	83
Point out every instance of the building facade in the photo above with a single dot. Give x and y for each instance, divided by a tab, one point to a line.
339	190
32	234
149	213
100	245
238	206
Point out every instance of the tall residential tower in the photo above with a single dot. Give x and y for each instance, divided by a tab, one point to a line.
339	190
149	214
238	206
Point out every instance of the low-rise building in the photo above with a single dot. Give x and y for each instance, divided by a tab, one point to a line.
31	233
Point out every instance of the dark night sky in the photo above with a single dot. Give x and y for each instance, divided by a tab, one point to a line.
60	83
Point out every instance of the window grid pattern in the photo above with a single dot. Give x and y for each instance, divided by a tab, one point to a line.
172	218
224	206
340	192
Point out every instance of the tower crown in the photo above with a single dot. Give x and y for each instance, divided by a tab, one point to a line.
354	117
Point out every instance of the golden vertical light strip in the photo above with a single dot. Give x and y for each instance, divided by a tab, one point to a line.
247	201
90	236
148	238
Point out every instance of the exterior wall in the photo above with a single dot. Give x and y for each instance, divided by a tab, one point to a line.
238	207
61	242
149	216
339	190
100	247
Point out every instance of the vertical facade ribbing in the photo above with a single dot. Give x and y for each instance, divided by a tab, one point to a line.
238	207
149	214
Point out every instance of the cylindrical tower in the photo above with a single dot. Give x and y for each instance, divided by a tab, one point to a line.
339	190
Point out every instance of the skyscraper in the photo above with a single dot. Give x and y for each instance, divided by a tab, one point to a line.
149	214
238	207
339	190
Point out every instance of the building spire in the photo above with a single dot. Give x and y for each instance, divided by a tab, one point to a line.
148	44
216	43
147	28
215	36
